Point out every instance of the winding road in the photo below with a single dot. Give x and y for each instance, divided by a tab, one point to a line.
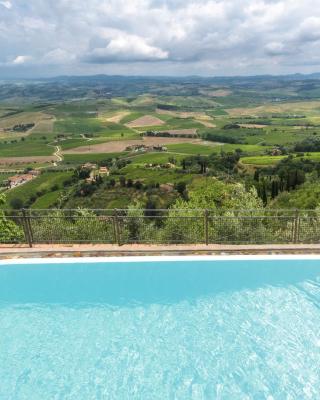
57	153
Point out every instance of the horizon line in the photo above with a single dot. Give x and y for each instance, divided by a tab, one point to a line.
193	76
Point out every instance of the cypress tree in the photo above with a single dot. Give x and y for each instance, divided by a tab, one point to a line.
264	194
274	189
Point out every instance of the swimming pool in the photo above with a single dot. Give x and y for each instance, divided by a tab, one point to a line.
169	328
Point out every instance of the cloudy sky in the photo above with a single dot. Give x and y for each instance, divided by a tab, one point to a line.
158	37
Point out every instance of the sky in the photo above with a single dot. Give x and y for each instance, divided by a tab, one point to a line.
40	38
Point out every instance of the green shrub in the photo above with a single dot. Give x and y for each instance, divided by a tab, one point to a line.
9	231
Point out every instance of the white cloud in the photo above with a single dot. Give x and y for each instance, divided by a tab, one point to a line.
19	60
58	57
6	4
125	47
179	36
309	29
36	24
276	48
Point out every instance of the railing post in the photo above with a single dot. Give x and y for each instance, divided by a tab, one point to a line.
296	226
117	227
206	227
26	227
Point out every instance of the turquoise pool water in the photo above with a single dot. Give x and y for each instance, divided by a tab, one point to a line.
160	330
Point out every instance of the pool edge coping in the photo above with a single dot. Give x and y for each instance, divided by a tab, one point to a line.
144	259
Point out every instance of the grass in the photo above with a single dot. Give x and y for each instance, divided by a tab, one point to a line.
217	112
106	198
25	148
306	197
174	123
48	200
191	148
99	130
4	177
43	183
78	125
155	158
93	158
22	166
95	126
21	118
272	160
73	143
312	156
283	136
121	197
77	118
262	160
131	117
146	175
253	149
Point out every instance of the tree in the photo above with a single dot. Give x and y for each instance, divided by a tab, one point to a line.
138	185
150	207
82	173
263	192
274	189
122	181
256	176
181	188
9	231
54	188
220	198
16	203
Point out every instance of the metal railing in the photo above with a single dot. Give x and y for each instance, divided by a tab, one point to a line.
171	226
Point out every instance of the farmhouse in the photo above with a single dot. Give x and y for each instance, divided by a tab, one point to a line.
89	165
276	152
34	172
18	180
159	148
137	147
143	147
104	171
167	165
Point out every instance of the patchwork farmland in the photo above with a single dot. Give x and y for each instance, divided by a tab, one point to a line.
175	135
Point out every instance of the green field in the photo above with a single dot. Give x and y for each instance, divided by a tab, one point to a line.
48	200
262	160
155	158
41	184
4	177
246	148
24	149
148	176
254	117
272	160
83	158
191	148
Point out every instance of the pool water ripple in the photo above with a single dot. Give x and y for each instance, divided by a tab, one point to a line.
255	342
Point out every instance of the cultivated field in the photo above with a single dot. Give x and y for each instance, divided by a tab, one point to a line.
146	120
26	160
120	146
116	118
252	126
253	132
178	132
218	93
